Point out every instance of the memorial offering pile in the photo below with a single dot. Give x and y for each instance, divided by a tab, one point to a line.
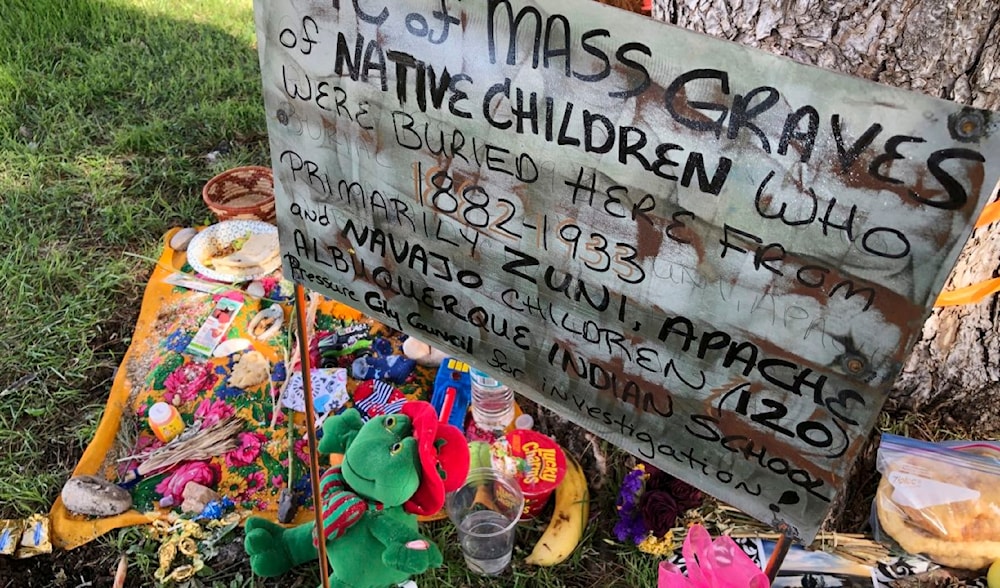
222	365
223	358
223	361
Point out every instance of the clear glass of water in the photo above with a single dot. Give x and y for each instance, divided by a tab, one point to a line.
485	510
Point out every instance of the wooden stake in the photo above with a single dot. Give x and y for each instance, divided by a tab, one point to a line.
314	472
777	557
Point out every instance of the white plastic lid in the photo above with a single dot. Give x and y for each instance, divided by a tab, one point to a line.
484	380
159	412
525	421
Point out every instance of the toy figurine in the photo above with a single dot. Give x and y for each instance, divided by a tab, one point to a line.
394	468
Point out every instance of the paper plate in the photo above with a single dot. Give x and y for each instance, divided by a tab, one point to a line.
221	235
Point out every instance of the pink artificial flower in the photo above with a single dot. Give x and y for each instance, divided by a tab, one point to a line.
302	450
248	450
200	472
186	382
269	283
255	483
210	412
280	419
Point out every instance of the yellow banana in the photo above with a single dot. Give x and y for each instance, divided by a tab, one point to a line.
569	519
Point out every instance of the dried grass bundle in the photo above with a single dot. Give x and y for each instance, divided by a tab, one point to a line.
206	444
722	519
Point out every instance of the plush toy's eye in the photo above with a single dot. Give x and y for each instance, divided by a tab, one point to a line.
396	448
390	422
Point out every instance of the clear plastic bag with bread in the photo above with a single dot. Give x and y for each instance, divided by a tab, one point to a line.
940	500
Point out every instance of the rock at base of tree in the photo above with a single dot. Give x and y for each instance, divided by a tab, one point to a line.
89	495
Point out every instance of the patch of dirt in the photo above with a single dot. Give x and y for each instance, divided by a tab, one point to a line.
62	569
851	513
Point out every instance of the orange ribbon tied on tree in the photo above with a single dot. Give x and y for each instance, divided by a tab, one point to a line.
976	292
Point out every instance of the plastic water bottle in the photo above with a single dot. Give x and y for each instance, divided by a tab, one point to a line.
492	402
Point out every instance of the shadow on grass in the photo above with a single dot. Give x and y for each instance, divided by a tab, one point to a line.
113	114
110	104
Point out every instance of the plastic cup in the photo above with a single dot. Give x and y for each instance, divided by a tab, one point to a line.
485	510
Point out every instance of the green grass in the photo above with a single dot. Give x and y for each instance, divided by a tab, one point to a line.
108	109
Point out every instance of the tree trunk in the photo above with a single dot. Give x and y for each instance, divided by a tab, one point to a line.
952	377
921	45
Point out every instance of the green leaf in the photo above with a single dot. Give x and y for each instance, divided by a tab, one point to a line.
258	412
272	465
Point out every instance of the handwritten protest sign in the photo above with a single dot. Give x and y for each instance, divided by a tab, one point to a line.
714	258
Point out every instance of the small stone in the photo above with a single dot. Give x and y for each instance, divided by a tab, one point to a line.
255	289
89	495
182	238
196	497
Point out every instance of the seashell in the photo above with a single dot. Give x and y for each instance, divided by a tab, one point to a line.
182	238
266	323
255	289
231	346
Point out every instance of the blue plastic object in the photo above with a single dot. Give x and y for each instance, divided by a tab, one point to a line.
215	509
453	379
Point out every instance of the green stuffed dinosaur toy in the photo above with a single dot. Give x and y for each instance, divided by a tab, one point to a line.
395	467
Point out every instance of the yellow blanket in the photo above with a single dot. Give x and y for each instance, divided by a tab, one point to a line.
155	369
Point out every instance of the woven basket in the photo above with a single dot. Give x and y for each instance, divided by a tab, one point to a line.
241	193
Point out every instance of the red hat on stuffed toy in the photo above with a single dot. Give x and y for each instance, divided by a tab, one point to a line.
444	458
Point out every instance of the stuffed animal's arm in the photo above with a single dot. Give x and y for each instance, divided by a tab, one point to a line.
389	530
406	549
273	549
340	431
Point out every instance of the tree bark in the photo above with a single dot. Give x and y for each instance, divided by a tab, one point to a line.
949	50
